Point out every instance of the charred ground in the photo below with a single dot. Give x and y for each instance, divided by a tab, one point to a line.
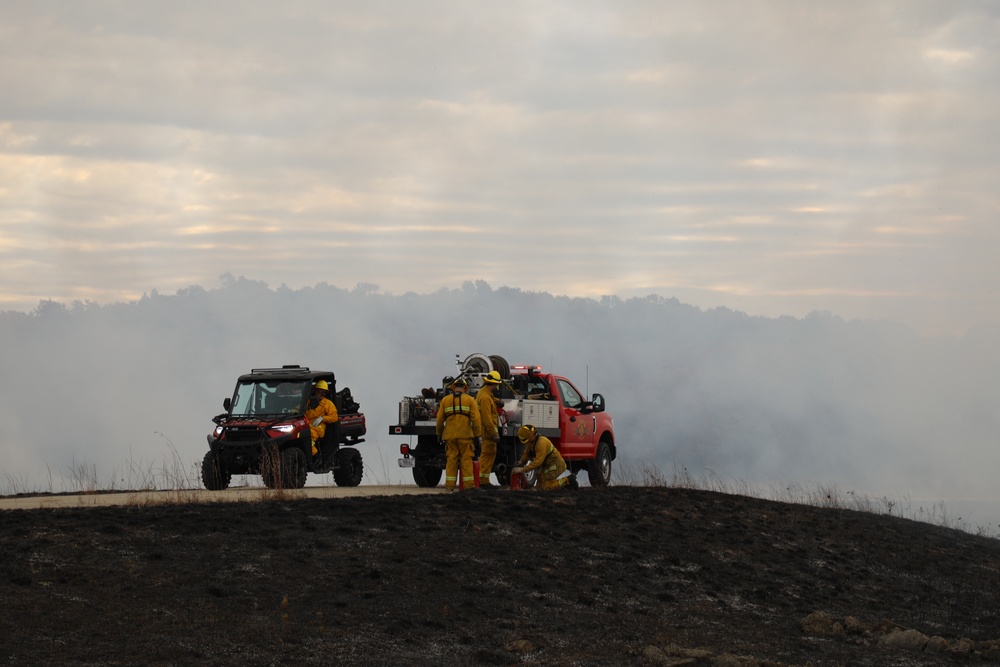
613	576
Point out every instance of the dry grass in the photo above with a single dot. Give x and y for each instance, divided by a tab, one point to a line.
816	495
80	477
173	474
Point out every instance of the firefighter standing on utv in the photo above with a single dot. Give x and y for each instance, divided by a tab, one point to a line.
321	411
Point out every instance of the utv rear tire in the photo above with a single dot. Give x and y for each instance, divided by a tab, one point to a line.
350	468
426	477
599	470
293	468
214	473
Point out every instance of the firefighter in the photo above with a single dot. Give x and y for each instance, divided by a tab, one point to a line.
461	428
491	427
321	411
540	454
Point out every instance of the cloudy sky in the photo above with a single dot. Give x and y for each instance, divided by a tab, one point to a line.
772	157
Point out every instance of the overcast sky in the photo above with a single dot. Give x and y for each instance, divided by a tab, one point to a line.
772	157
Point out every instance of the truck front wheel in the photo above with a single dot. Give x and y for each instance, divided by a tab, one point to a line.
599	470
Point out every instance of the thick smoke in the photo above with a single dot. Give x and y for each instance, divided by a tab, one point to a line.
117	392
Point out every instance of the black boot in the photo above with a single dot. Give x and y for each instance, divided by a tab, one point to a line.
319	462
328	459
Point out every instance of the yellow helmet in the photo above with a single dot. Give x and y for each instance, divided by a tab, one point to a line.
460	382
492	378
321	384
526	433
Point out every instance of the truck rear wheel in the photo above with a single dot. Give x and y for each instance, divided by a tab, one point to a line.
214	473
350	468
426	477
599	470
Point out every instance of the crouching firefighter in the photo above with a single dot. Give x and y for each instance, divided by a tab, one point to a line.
460	426
540	454
321	411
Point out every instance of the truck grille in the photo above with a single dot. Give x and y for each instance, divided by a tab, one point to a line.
244	434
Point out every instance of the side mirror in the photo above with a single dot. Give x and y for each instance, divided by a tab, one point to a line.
597	403
227	404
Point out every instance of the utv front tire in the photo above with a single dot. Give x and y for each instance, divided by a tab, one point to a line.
350	468
293	468
270	467
214	473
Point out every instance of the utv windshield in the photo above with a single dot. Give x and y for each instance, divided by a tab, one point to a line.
269	398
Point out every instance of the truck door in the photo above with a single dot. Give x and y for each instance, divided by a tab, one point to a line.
577	440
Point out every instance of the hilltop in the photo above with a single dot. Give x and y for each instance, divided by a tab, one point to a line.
622	575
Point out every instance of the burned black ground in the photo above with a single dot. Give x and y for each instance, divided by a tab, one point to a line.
593	577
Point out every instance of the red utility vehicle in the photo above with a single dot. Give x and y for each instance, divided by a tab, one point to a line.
264	432
582	431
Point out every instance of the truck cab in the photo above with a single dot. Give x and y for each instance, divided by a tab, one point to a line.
581	430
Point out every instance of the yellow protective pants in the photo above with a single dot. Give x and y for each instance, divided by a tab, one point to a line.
549	471
486	459
459	451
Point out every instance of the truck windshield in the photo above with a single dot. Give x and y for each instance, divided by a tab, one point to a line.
570	396
269	398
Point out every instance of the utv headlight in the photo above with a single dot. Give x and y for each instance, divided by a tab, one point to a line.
284	428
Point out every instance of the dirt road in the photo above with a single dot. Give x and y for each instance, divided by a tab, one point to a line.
239	494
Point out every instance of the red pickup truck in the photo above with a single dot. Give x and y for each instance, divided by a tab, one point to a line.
581	429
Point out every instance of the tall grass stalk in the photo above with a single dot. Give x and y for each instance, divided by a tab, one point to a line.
814	494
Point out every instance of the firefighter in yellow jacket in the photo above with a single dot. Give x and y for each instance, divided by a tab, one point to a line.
321	411
461	428
540	454
487	402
